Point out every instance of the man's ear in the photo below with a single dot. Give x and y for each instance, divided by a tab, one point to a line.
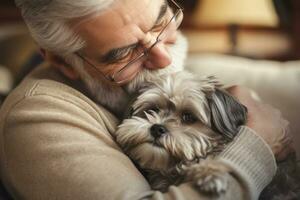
60	64
227	113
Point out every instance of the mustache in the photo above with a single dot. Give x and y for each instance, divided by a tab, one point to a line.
178	52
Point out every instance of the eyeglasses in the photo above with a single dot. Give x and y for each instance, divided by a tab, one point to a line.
128	71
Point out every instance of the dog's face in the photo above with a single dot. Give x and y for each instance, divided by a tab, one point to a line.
170	122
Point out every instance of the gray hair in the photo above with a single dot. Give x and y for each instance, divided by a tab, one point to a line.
48	20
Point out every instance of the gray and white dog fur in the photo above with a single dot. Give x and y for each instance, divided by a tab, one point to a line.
176	125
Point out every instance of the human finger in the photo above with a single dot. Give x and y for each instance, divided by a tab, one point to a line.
286	143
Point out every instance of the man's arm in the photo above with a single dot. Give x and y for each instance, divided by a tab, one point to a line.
55	149
267	122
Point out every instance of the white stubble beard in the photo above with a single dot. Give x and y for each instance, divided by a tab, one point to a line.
178	53
116	98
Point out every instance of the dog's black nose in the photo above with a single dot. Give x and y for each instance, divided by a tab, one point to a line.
157	130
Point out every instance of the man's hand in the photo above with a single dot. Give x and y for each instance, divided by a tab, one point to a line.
266	121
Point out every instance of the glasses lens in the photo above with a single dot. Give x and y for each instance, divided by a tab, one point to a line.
132	68
129	71
172	26
178	18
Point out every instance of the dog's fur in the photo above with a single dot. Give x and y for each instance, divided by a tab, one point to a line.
190	114
177	124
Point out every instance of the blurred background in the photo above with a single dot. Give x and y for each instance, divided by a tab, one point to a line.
257	29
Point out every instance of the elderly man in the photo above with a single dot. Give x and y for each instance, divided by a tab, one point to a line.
56	127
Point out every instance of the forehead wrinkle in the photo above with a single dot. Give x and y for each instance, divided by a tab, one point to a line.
129	21
144	18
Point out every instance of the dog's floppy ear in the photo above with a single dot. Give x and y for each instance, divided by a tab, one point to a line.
227	113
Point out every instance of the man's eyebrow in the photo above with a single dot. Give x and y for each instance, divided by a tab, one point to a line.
117	53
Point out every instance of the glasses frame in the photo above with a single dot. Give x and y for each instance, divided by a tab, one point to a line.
145	53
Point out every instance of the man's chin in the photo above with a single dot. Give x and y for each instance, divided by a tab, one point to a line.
178	52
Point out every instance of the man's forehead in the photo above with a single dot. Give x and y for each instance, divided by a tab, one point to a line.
125	21
139	11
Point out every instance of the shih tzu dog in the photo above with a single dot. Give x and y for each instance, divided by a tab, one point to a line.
176	126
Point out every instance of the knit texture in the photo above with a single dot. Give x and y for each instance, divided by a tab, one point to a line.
248	145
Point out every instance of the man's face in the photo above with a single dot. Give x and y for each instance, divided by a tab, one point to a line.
116	37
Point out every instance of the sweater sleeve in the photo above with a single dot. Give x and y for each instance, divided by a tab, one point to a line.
252	161
55	149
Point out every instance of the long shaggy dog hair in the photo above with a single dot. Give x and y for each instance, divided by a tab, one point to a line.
177	121
174	128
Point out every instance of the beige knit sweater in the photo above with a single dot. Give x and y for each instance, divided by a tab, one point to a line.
56	143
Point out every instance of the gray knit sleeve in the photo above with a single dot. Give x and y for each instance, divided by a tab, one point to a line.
251	159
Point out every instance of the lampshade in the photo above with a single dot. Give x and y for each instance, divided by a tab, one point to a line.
240	12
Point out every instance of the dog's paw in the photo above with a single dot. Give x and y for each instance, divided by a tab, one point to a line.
215	184
209	177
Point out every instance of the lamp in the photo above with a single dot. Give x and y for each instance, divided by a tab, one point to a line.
232	13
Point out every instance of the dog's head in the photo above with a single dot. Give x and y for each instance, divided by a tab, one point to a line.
178	119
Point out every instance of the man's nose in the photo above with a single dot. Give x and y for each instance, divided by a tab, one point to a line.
158	57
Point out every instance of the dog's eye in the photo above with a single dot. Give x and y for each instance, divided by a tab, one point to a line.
153	109
188	118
